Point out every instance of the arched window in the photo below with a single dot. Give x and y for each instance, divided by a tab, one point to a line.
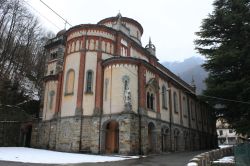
152	101
89	81
148	100
192	110
164	97
185	106
175	103
51	98
70	79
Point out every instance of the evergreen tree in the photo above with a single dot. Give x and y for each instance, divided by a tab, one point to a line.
224	39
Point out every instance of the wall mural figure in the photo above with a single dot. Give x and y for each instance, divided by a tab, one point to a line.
127	93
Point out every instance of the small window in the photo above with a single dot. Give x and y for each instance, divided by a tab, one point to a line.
51	72
53	55
175	103
221	132
230	131
89	81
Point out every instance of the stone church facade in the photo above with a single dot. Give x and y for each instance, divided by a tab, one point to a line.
106	93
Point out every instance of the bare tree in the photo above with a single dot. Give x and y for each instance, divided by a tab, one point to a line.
21	46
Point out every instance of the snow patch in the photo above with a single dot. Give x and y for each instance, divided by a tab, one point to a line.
227	159
30	155
225	146
192	164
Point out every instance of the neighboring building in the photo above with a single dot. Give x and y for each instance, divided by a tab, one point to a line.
226	135
105	93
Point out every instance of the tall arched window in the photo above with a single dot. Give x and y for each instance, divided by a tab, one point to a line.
148	100
185	106
70	79
164	97
152	101
175	103
89	81
192	110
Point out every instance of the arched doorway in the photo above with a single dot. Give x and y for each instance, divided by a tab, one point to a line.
26	131
112	137
164	139
192	141
185	137
176	139
151	137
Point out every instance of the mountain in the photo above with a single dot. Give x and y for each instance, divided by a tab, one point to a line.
189	68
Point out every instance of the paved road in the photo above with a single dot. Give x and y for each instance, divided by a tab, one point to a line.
171	159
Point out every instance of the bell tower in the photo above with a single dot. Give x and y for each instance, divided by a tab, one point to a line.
54	50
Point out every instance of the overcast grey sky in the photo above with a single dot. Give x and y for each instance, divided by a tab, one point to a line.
171	24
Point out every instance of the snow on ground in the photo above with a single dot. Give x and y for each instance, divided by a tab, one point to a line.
225	146
30	155
227	159
192	164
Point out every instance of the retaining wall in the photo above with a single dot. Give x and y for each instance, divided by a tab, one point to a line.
205	159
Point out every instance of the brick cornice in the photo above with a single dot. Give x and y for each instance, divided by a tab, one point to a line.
113	32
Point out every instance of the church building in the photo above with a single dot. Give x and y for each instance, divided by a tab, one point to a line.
105	93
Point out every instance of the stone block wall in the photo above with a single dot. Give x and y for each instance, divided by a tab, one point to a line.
87	134
89	137
205	159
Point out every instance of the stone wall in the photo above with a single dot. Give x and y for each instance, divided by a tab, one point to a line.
87	134
62	134
205	159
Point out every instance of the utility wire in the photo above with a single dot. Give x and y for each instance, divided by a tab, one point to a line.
66	22
236	101
43	15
